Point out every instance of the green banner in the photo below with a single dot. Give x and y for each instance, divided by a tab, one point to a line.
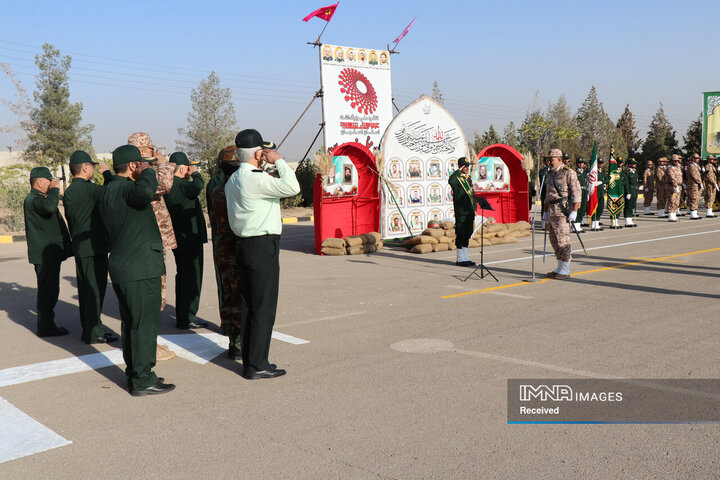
615	192
711	124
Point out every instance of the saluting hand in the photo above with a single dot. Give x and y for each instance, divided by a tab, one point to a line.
54	183
271	156
102	167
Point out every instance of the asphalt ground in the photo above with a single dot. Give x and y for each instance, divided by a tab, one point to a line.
405	373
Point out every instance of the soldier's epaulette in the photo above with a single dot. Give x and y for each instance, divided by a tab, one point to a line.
257	170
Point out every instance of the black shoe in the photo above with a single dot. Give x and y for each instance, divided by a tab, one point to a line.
252	374
157	389
107	338
58	332
194	325
234	353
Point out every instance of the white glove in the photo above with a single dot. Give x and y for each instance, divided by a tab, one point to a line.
684	186
628	196
677	189
572	217
544	217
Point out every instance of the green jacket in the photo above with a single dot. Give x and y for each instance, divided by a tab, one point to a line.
464	201
48	239
134	241
83	217
186	214
630	182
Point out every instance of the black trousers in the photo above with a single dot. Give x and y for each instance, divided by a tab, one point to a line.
48	290
463	230
188	283
91	274
139	303
258	261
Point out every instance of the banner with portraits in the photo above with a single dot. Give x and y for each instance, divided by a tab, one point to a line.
357	95
421	147
711	124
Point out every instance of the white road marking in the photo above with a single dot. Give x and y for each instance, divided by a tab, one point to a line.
23	436
320	319
289	339
511	295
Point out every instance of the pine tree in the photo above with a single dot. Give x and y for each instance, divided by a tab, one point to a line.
211	123
510	136
437	94
489	137
660	141
628	132
693	137
55	130
594	125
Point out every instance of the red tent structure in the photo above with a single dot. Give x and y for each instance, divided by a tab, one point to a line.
349	215
514	205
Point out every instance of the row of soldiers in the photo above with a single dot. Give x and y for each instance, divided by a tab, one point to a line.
680	183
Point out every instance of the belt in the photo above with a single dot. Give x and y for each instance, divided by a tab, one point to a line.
557	200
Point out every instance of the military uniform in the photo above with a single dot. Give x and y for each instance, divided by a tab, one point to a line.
215	180
648	188
673	182
693	182
711	187
88	245
188	222
630	187
603	179
660	172
48	243
465	208
563	188
582	176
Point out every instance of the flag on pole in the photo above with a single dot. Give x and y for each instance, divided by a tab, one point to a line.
593	183
325	13
616	199
404	32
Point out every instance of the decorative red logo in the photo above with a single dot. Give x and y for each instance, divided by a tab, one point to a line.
364	102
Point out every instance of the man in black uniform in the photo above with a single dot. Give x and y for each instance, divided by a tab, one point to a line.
88	245
630	185
603	180
188	223
465	206
136	265
48	243
582	176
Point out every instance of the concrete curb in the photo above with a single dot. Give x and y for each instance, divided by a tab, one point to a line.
12	238
298	219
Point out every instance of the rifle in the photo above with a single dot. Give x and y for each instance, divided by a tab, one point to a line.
564	209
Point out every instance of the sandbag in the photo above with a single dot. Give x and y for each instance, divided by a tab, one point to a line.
334	243
332	251
489	234
370	238
422	248
358	249
524	233
495	227
450	232
379	245
445	240
512	227
440	247
434	232
523	225
353	240
420	239
452	246
447	225
473	243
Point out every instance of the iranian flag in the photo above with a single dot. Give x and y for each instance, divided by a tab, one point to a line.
592	200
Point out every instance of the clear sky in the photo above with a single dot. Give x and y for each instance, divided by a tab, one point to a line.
135	63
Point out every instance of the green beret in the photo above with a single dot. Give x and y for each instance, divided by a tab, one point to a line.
179	158
79	157
126	154
41	172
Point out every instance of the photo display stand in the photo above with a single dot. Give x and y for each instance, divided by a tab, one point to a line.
484	271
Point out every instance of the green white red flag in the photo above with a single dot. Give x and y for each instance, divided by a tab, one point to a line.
593	183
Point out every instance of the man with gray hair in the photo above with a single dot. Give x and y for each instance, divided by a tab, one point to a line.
253	203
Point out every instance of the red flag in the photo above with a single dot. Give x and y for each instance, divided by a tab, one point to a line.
326	13
593	183
404	32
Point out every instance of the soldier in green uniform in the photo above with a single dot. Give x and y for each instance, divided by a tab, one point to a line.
88	244
188	223
630	186
135	265
582	176
465	207
603	180
48	243
215	180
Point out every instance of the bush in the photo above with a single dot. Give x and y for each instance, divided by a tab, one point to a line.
305	174
14	187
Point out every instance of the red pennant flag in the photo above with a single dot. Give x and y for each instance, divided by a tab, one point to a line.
593	183
404	32
326	13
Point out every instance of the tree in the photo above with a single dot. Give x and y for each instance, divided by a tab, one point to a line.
594	125
660	141
211	124
437	94
564	127
510	136
536	135
54	131
693	137
489	137
628	132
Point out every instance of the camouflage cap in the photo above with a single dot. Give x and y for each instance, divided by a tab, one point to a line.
662	159
676	158
554	153
229	155
695	155
140	139
649	162
711	157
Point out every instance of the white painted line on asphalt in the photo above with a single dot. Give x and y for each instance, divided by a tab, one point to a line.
23	436
321	319
609	246
511	295
288	338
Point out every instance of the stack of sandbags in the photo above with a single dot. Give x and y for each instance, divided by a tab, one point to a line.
421	243
363	243
333	246
448	235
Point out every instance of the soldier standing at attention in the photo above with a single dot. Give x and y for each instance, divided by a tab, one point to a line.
711	185
136	265
673	186
465	206
88	244
660	172
694	186
165	173
582	177
48	243
648	187
188	222
563	191
214	181
603	180
630	186
231	305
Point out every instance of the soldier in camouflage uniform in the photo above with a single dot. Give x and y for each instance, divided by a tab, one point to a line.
231	308
165	174
694	184
673	186
562	200
660	172
711	185
215	180
648	187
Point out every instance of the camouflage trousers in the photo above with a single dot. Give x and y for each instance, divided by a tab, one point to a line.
232	306
163	287
661	198
648	198
710	196
673	199
693	197
559	233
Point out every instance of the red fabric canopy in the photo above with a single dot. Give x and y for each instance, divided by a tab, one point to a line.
512	206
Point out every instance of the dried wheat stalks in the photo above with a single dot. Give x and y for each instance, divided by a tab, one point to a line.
323	163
